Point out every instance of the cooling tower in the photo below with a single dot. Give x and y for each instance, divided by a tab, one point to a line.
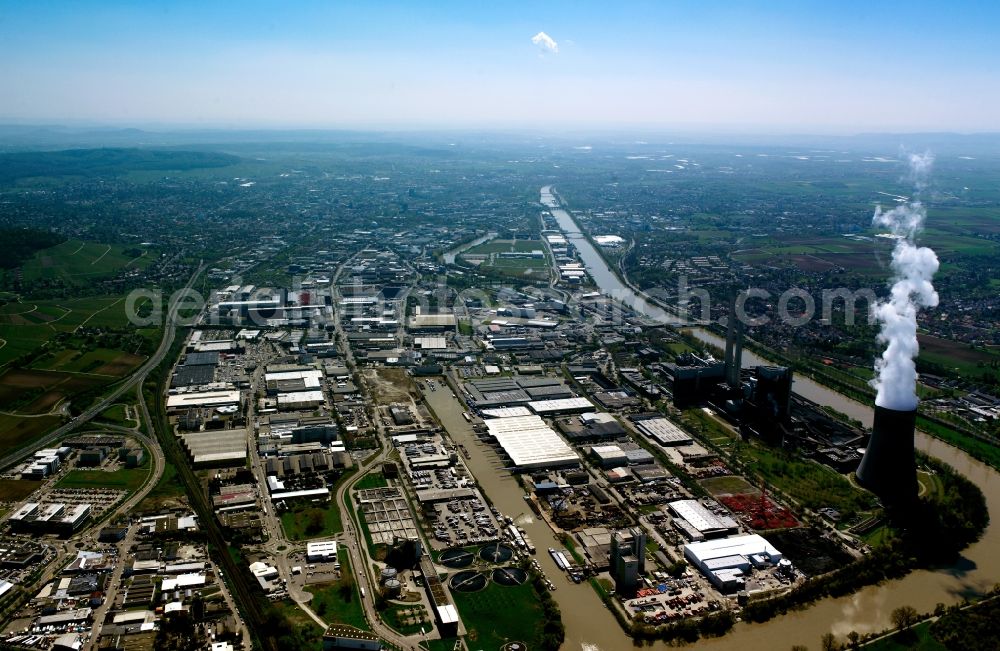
888	468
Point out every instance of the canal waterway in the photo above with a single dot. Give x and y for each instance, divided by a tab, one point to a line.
606	280
589	624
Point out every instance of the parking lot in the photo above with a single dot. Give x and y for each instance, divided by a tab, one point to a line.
311	572
462	522
100	499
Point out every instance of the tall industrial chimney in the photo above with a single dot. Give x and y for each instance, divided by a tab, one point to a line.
888	468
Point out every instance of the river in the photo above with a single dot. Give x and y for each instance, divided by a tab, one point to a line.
977	569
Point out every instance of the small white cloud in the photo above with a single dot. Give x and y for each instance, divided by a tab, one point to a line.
545	42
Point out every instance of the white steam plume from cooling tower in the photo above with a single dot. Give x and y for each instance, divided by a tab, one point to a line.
913	268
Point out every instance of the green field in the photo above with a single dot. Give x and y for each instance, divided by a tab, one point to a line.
728	485
506	246
516	267
371	480
339	601
708	426
811	484
24	327
304	634
17	432
115	414
76	263
500	614
166	491
126	479
917	638
15	490
307	520
978	449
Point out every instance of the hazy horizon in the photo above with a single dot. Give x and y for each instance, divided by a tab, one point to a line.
780	67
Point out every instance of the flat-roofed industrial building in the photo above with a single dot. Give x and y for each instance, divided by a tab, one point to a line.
203	399
663	431
724	561
698	522
224	447
530	443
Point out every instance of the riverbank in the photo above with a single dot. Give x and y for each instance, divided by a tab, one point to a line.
867	610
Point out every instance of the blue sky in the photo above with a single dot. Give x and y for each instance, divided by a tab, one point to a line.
838	67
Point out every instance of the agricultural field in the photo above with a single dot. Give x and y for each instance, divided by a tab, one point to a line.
76	263
15	490
25	327
17	432
101	361
960	358
60	350
33	392
865	256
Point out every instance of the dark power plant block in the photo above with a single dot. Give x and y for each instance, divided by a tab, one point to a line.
888	468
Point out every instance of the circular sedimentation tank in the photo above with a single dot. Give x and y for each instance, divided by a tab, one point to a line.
457	558
509	576
393	588
468	581
496	553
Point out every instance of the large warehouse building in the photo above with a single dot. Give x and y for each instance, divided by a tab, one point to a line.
725	561
530	443
561	406
202	399
697	522
224	447
663	431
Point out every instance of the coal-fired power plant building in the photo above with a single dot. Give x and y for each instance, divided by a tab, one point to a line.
888	468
